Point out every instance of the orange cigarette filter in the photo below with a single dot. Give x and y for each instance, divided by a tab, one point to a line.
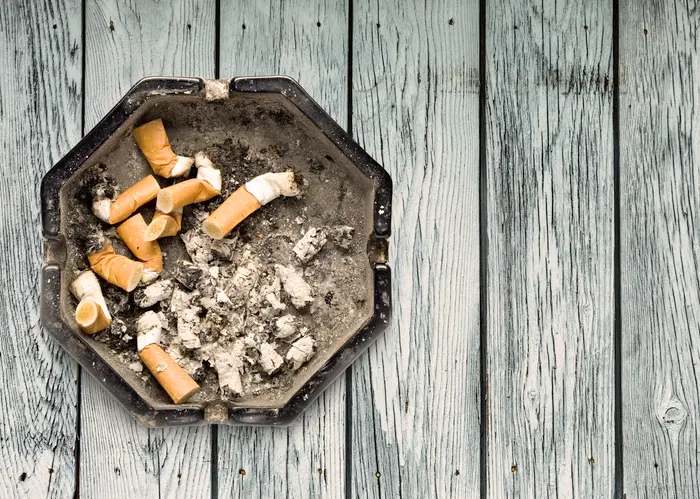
233	211
133	233
155	145
133	198
91	317
178	195
174	379
116	269
164	225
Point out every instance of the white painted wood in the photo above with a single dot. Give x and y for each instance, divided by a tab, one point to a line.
39	122
415	395
125	41
550	196
659	198
283	37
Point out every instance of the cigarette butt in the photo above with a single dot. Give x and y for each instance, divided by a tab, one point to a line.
181	194
154	144
164	225
91	317
91	314
174	379
116	269
133	233
133	198
233	211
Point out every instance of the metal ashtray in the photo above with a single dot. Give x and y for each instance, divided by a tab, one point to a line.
262	112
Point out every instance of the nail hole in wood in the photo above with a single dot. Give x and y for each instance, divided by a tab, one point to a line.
515	27
50	471
117	471
23	476
656	465
320	471
379	25
111	26
591	460
377	474
55	26
646	32
457	473
585	27
513	469
189	26
243	26
451	21
242	472
318	24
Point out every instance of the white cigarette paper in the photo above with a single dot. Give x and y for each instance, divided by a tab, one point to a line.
270	186
148	330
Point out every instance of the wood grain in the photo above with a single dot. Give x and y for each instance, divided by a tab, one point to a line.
40	103
308	41
125	41
659	198
550	198
415	394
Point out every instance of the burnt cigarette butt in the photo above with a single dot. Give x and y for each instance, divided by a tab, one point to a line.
116	269
233	211
164	225
155	145
181	194
248	198
133	198
174	379
133	233
91	317
91	314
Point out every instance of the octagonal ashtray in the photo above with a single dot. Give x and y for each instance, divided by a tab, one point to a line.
259	316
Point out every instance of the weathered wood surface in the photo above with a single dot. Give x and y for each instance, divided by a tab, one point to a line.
126	41
659	198
415	394
550	199
39	121
308	41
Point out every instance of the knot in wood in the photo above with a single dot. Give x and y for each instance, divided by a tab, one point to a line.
673	415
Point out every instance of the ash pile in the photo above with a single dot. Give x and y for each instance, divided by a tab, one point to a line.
239	319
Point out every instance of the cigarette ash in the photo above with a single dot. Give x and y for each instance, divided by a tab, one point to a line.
240	314
248	315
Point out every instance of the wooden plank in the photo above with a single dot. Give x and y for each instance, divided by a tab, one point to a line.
415	396
40	120
126	41
308	41
659	198
550	309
